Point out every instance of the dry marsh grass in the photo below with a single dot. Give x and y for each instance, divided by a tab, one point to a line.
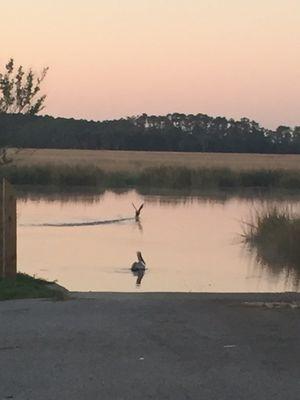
129	161
120	169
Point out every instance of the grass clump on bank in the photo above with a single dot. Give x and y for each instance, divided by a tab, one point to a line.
275	235
26	287
171	177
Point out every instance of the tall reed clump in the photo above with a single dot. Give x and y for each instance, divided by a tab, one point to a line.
275	235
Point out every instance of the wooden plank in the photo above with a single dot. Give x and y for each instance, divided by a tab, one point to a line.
10	238
8	231
2	271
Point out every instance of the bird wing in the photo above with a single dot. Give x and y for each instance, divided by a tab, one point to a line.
140	209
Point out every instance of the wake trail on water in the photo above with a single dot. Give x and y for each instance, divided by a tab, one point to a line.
88	223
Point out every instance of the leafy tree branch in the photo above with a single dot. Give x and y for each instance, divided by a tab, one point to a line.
20	90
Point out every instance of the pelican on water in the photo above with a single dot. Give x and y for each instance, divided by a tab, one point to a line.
139	265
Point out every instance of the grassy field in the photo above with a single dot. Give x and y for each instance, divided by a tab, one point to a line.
111	161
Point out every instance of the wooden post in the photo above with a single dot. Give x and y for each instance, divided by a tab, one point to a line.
2	268
8	231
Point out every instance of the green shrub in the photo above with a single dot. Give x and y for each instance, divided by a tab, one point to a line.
25	286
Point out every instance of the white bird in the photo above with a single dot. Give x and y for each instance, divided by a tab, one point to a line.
139	265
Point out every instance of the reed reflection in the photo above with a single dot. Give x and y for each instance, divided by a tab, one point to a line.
278	267
166	197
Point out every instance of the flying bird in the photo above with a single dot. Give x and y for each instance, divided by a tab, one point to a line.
138	211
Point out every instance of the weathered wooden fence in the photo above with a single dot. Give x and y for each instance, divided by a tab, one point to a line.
8	231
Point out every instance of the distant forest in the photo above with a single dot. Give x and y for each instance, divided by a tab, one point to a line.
173	132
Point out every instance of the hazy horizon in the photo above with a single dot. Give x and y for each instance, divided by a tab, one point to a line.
113	59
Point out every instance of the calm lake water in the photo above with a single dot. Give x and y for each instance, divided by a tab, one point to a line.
190	244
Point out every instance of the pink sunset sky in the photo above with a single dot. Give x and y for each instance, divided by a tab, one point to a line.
111	59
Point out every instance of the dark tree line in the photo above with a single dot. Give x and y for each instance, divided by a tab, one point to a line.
21	100
174	132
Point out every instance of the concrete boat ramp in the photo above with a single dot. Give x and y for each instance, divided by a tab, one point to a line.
114	346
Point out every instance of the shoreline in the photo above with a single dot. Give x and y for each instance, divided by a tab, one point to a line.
234	297
243	296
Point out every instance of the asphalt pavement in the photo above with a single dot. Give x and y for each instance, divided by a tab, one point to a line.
150	346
